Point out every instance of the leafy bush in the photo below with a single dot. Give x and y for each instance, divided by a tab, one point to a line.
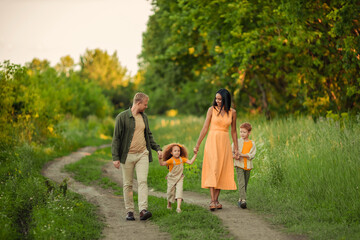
33	101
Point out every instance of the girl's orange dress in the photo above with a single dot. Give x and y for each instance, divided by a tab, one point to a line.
218	165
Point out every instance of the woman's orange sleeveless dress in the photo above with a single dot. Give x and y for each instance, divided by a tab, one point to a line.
218	165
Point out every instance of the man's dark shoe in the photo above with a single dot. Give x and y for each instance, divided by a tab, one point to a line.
144	214
130	216
243	204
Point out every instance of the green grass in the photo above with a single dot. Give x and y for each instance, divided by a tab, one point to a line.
305	176
29	204
69	217
193	223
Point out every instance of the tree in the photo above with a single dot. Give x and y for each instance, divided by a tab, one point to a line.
66	65
106	71
103	68
37	65
275	57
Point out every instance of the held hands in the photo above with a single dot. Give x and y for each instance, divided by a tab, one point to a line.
160	157
160	154
196	149
236	155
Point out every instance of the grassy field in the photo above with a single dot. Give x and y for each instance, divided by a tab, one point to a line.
305	176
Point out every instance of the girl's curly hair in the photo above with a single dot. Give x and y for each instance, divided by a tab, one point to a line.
168	148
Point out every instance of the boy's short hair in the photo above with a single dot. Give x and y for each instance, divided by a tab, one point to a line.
247	126
139	97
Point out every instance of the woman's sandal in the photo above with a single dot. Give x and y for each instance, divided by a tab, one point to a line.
212	206
218	205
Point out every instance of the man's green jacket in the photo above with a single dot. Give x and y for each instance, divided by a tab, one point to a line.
123	134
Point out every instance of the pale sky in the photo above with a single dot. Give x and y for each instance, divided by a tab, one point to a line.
50	29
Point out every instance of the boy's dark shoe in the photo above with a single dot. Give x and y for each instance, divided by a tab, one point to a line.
144	214
243	204
130	216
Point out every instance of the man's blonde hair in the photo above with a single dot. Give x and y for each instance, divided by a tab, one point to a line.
139	97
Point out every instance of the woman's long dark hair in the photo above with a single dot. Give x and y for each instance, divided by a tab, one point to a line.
225	100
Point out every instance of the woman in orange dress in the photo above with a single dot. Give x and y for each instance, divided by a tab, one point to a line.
218	166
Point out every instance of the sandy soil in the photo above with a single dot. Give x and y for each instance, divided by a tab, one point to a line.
112	211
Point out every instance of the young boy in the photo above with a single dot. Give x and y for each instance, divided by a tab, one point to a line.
243	162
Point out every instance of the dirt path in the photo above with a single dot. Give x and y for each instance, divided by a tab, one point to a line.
112	210
111	207
232	217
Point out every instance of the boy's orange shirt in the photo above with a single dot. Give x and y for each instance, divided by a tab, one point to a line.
246	149
170	162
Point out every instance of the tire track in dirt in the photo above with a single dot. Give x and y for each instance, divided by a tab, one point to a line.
110	207
241	223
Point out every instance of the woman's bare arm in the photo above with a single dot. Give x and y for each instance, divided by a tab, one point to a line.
234	132
204	130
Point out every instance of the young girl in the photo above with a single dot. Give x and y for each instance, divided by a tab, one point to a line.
175	156
243	162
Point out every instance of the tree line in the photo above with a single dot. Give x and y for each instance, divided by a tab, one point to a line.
275	57
37	96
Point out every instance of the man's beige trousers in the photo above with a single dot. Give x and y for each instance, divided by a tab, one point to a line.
140	163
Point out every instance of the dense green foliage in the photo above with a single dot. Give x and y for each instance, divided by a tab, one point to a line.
46	112
34	100
275	57
107	72
306	174
37	97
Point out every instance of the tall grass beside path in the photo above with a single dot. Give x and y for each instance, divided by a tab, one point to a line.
32	207
305	176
